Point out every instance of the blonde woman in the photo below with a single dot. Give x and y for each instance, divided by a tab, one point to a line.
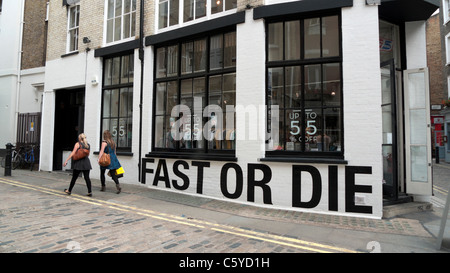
81	165
109	147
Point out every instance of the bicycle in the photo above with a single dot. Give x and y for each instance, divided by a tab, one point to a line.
23	157
14	159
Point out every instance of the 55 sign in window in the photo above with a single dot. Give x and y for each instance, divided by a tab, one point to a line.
304	82
117	99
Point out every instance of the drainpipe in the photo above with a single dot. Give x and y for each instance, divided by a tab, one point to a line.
19	68
141	58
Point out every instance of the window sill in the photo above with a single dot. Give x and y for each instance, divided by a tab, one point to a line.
314	160
215	157
69	54
118	153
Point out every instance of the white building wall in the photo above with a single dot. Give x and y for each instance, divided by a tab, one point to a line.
10	47
362	127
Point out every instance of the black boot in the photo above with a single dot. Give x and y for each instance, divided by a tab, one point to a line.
119	189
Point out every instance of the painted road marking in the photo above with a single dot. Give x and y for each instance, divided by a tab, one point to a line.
277	239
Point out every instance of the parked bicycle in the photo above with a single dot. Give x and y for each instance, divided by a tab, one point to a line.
14	159
24	157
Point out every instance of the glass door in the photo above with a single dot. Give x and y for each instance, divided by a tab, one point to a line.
418	133
389	145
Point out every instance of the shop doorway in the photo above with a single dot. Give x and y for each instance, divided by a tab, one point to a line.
69	122
389	117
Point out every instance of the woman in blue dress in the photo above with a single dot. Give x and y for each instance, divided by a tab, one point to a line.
109	147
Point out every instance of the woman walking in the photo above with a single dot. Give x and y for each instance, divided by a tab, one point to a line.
80	165
109	147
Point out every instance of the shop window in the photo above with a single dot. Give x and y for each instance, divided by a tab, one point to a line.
73	19
194	97
304	82
120	20
117	99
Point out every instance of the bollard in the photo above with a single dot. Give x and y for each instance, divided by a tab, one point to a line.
8	161
437	154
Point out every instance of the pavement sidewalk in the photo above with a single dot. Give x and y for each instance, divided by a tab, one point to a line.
414	231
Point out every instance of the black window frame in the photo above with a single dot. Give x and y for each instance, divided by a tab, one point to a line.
309	156
204	152
119	86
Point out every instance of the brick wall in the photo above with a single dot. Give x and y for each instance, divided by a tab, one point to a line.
34	34
434	60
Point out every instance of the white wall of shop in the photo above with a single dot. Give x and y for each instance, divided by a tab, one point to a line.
84	70
10	43
362	123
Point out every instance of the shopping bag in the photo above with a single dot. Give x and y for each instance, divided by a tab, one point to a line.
119	172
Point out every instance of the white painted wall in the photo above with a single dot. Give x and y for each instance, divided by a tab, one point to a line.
10	33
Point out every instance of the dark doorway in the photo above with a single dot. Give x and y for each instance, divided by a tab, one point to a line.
69	122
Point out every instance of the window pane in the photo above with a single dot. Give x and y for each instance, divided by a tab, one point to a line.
108	72
292	41
200	55
229	90
312	38
126	26
110	30
313	123
114	125
106	125
160	98
330	36
161	62
332	84
110	9
230	50
159	132
73	40
228	106
197	117
186	93
216	51
124	101
172	61
188	11
293	87
133	24
117	28
163	14
276	87
107	103
187	55
118	9
200	8
216	6
122	133
115	70
313	86
127	6
172	96
115	103
124	71
275	39
292	131
173	12
73	17
215	90
277	140
230	4
332	137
